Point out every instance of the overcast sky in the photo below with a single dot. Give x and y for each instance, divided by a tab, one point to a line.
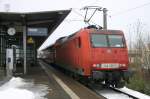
121	13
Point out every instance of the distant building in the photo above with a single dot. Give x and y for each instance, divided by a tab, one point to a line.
141	56
134	55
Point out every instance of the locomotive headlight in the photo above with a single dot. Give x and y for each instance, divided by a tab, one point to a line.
96	65
122	65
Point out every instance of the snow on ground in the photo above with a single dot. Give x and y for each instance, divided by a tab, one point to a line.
134	93
18	88
110	94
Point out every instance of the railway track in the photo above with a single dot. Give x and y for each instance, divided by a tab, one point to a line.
111	93
131	96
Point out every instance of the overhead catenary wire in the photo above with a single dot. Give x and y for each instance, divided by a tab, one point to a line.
94	2
74	10
130	9
90	3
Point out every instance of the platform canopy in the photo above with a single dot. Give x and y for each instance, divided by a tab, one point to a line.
47	19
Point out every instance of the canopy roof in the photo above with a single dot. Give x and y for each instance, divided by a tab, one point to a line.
48	19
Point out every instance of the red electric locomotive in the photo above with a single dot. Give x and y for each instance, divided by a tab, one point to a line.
99	55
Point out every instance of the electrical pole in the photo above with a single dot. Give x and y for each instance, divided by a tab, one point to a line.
104	18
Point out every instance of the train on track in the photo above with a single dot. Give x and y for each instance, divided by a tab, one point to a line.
93	54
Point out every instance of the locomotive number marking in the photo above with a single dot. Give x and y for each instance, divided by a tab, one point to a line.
110	65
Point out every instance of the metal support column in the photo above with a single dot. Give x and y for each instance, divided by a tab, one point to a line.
1	50
25	49
104	18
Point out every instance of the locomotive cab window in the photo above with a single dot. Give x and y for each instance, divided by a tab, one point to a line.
116	40
107	40
99	40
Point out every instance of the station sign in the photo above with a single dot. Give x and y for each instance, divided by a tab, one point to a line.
37	31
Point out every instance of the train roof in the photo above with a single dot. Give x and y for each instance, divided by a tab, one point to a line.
90	30
104	31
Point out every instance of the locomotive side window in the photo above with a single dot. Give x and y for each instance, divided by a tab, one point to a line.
78	42
116	40
99	40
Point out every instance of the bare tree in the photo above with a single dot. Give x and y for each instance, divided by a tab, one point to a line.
130	38
141	46
147	54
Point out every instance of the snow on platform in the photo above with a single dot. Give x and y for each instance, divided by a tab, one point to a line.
18	88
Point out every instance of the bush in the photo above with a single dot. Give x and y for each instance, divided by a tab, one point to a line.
138	83
147	89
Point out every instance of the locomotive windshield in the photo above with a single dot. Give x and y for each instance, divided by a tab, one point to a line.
107	40
99	40
115	40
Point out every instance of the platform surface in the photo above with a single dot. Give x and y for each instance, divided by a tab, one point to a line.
60	85
65	86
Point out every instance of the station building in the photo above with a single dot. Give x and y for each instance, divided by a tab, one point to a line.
21	34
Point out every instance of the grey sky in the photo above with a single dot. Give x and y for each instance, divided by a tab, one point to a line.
121	14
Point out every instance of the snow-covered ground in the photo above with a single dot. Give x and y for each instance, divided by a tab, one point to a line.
111	94
18	88
134	93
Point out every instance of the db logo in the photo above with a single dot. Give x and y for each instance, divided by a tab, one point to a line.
109	51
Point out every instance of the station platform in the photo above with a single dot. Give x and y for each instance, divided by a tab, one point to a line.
62	86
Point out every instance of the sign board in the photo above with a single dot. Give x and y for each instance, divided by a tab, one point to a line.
9	59
37	31
30	40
